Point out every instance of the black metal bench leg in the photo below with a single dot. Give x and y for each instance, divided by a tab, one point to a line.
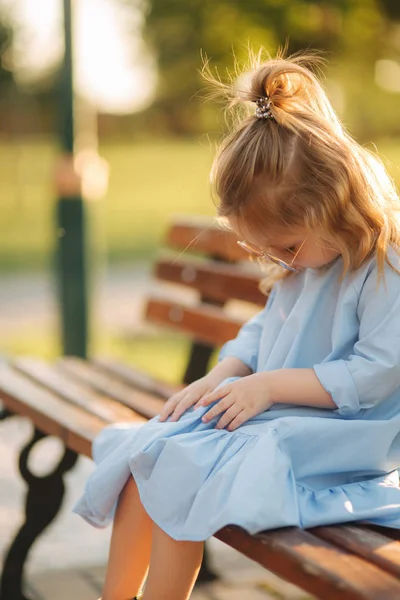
43	501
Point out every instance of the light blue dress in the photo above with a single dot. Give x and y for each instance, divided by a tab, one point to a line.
290	465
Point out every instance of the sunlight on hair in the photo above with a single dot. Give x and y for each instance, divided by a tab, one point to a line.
301	168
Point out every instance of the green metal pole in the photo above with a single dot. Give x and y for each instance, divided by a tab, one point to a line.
71	250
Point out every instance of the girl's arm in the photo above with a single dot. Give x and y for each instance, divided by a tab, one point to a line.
367	376
230	367
370	374
296	386
245	347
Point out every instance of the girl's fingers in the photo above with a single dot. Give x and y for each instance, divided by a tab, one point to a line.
180	402
200	401
180	409
241	418
217	409
169	407
229	415
183	405
216	395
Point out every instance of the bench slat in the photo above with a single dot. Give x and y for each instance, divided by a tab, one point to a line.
369	544
131	376
393	534
141	402
313	564
214	281
47	375
304	558
50	414
207	324
204	236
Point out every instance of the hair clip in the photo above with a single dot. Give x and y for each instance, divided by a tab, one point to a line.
263	110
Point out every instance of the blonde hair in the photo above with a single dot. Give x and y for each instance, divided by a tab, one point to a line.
301	168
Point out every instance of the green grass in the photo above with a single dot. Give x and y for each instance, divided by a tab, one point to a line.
149	181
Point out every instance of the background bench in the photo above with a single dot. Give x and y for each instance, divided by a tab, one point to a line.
74	399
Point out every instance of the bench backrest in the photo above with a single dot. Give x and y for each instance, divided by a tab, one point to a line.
208	260
74	399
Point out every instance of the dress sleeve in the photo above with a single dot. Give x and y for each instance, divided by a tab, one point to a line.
246	345
372	371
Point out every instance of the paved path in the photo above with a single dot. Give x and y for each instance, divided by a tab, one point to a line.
31	299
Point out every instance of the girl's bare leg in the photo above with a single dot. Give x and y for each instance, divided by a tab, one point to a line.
130	547
174	567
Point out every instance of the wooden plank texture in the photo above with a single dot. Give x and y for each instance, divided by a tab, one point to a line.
204	236
313	564
373	546
207	324
58	382
214	281
136	378
80	370
49	413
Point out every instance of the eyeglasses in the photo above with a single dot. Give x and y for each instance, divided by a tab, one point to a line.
266	256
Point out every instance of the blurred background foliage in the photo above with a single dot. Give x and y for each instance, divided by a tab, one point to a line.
354	34
174	131
160	143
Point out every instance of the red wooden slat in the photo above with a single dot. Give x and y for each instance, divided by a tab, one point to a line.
134	377
80	370
363	541
204	236
49	413
214	281
50	377
313	564
207	324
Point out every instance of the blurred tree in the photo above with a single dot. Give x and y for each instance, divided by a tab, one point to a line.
25	109
6	75
353	33
177	35
391	8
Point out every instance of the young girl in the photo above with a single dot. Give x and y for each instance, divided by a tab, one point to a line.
299	422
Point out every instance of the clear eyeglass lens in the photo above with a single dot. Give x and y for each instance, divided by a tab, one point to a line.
251	250
264	256
281	263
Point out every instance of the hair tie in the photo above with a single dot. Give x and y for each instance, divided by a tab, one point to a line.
263	110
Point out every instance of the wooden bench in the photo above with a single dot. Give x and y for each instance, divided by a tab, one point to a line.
73	399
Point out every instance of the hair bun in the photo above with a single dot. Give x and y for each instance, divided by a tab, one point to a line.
289	84
296	97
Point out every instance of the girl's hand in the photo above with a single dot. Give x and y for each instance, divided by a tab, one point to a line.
193	393
184	399
239	401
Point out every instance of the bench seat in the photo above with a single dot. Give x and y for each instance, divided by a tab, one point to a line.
74	398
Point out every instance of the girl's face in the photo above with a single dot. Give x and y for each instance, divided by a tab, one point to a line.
299	249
